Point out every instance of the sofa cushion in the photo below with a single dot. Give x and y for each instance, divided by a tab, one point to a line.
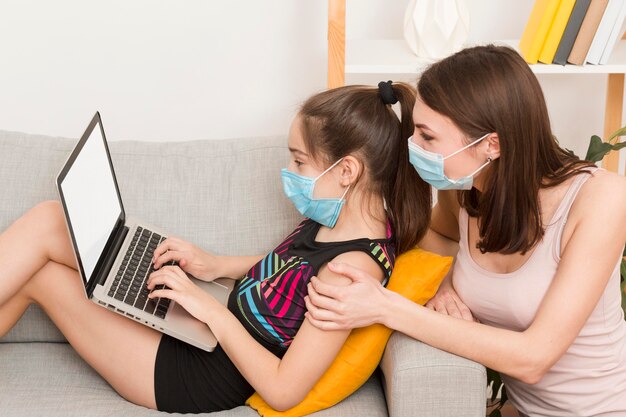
50	379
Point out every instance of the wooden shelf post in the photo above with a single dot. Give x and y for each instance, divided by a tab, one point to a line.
336	43
613	117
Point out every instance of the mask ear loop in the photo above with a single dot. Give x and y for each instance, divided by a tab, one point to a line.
481	167
343	196
467	146
328	169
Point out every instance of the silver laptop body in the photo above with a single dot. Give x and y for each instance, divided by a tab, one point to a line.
101	235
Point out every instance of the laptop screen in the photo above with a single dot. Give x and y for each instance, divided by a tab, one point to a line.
91	199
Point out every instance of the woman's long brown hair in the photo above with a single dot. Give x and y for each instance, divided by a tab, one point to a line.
354	120
491	89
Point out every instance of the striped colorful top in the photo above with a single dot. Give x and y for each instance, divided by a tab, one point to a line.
269	299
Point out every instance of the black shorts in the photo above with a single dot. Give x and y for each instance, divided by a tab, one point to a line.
191	380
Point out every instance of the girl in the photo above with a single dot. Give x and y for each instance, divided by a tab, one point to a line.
346	174
539	235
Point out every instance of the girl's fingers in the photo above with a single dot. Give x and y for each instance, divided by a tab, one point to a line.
163	247
168	256
164	293
166	277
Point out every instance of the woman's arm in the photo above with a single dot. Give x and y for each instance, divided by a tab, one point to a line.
443	238
282	383
587	263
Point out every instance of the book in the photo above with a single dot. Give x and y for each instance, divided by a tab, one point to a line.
571	30
587	32
615	35
556	31
601	38
537	28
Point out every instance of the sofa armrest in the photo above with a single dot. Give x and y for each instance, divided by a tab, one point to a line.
420	380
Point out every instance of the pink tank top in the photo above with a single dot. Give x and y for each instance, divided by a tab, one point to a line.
590	378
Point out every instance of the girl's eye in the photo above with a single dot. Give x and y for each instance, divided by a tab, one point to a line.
298	163
426	137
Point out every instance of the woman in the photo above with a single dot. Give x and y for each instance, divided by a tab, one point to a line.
348	158
539	236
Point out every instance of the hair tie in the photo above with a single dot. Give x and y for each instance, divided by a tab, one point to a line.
386	92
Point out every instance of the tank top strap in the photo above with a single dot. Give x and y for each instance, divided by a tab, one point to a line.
463	225
559	219
382	251
562	211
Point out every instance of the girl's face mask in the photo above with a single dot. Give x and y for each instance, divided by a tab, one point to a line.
429	166
299	189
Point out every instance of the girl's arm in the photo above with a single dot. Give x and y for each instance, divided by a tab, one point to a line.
584	270
237	266
199	263
282	383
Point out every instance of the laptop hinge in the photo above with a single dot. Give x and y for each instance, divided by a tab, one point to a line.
116	244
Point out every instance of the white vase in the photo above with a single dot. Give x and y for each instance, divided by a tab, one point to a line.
435	29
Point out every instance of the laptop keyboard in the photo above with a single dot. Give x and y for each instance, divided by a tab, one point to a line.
131	281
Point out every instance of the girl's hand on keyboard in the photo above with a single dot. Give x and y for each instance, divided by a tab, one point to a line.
180	289
188	256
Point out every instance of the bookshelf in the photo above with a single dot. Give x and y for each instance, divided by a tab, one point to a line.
394	57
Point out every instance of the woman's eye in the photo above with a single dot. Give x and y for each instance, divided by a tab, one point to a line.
426	137
298	163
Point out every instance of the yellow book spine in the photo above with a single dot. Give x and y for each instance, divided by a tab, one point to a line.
537	29
555	33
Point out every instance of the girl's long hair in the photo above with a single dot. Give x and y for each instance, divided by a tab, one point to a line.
491	89
355	120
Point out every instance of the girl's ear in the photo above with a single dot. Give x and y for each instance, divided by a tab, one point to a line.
350	170
492	148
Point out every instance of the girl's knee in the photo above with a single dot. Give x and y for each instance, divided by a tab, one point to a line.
49	215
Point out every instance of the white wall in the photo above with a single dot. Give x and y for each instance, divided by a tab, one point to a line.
159	69
190	69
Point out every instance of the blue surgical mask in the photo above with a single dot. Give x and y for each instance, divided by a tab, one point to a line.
429	166
299	189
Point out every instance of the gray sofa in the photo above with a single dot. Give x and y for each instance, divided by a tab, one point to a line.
226	197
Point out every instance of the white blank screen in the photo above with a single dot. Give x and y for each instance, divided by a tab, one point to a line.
91	200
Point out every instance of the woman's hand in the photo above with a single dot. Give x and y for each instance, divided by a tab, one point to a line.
447	301
189	257
359	304
182	290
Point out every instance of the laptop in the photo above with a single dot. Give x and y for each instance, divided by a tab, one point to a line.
114	252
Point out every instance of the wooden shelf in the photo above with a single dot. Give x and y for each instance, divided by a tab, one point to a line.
395	57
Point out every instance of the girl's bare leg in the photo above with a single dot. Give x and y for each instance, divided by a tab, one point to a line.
37	237
37	266
122	351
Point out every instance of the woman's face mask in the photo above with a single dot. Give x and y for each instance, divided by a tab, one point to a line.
430	166
299	189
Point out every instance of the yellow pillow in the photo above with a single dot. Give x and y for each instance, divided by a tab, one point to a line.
416	275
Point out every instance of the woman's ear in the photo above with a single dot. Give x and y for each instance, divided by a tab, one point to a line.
492	148
350	170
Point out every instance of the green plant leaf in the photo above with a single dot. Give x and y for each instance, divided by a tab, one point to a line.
618	146
617	133
597	149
